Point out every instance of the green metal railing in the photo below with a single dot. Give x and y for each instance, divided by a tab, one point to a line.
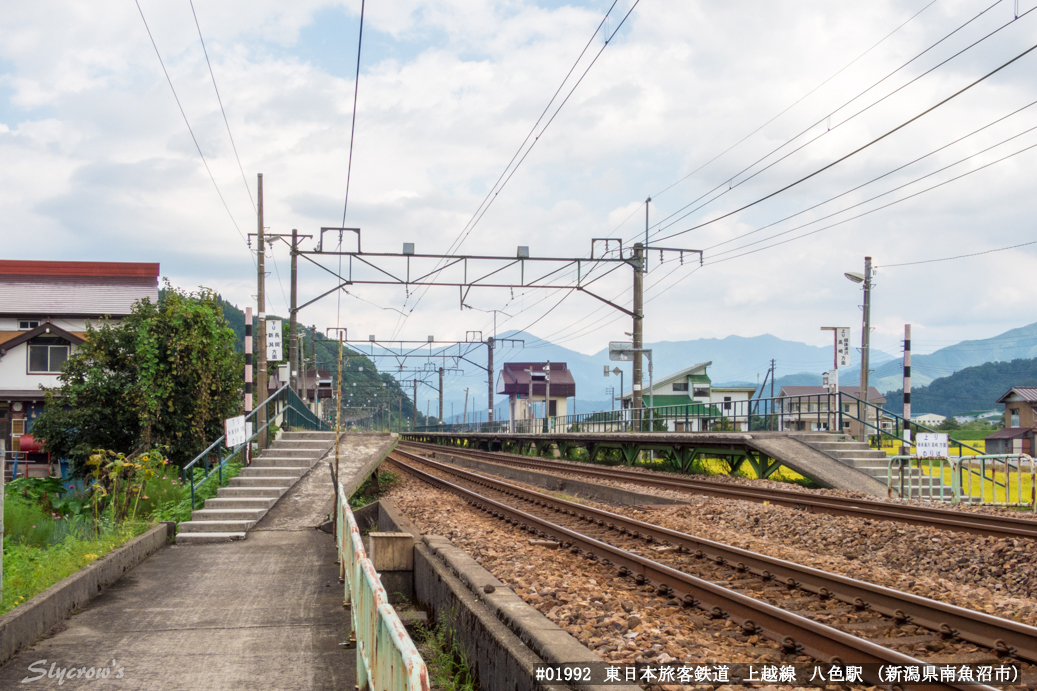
284	405
990	474
386	656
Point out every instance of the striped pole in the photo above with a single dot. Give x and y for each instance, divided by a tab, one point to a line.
907	382
248	369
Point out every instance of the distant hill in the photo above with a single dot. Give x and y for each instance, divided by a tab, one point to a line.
970	389
1005	347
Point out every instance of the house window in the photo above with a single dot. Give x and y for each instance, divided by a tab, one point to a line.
680	386
1014	412
727	403
27	324
47	355
701	393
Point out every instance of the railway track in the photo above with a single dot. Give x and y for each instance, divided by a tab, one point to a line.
946	519
803	609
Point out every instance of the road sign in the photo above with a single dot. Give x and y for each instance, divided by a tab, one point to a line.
621	350
274	352
842	347
930	445
234	428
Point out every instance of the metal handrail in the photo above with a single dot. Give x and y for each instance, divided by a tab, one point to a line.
958	487
306	415
903	420
386	656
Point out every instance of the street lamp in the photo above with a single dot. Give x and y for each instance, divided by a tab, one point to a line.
864	278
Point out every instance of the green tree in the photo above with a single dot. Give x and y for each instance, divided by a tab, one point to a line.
949	425
167	376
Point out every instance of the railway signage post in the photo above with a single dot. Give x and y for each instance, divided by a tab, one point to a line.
932	445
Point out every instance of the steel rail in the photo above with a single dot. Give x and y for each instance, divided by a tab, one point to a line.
946	519
1004	636
793	632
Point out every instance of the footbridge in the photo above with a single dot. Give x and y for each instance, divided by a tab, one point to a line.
832	460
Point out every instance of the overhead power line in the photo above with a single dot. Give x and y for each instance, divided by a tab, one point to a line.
857	150
659	225
188	123
960	256
220	100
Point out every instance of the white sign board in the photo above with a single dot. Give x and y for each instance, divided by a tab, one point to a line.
621	350
234	428
930	445
273	340
831	381
842	347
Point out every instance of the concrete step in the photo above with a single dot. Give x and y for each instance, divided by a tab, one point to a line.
272	471
219	503
208	514
277	482
281	462
307	434
215	526
293	453
838	445
250	492
203	538
311	445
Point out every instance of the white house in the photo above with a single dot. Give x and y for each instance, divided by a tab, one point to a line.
44	309
928	419
689	402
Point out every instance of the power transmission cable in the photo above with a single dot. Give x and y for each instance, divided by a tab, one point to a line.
857	150
188	123
871	211
513	166
220	100
659	224
861	203
811	92
960	256
349	167
875	179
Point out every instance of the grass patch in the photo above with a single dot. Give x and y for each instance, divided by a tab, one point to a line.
30	568
365	493
448	666
177	505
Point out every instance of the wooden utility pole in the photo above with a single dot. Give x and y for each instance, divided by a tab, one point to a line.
638	333
293	327
261	380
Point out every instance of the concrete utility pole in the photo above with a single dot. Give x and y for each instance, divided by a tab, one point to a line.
261	379
489	376
638	333
293	327
313	358
547	396
415	401
907	385
865	342
441	395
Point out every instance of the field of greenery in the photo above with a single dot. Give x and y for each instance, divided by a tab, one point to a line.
51	529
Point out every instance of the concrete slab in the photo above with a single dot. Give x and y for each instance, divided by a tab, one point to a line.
262	613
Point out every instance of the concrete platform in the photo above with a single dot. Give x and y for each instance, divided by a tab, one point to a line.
262	613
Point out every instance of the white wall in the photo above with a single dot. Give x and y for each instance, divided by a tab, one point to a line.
14	367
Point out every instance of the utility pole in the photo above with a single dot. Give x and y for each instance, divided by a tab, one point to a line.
907	388
415	401
261	336
865	342
293	327
638	334
441	421
313	357
547	396
489	376
464	418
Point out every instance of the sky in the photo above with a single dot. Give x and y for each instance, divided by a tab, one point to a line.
689	103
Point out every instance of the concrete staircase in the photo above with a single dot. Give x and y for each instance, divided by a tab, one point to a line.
248	497
859	455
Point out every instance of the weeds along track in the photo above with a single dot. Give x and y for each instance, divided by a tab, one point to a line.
945	519
805	610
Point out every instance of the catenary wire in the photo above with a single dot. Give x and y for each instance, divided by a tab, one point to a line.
859	149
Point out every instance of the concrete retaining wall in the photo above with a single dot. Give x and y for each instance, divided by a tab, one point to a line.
503	637
586	490
23	625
